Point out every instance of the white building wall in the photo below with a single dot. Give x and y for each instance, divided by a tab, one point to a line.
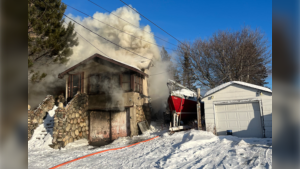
237	92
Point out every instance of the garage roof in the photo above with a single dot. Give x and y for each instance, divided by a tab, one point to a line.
222	86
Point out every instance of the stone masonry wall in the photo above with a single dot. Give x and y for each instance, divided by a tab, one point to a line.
71	122
147	112
143	113
35	118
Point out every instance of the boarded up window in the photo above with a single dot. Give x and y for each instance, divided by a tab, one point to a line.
102	83
105	84
115	80
138	85
94	84
126	82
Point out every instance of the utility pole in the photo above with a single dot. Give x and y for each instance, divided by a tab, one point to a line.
199	109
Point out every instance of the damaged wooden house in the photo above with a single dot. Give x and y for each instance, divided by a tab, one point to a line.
117	96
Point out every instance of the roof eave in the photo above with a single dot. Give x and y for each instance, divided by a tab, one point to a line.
61	75
237	84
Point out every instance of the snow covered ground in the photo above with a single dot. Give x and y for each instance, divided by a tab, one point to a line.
186	149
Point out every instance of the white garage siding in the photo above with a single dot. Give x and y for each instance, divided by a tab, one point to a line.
243	119
239	93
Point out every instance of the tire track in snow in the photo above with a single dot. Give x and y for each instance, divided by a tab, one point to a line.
257	156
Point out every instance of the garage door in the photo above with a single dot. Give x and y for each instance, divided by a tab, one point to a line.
243	119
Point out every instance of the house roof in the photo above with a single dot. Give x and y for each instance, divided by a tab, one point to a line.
96	55
222	86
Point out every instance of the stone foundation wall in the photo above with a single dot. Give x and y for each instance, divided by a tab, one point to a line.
35	118
143	113
147	112
71	123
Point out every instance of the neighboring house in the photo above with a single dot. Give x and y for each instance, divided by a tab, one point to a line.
244	108
117	96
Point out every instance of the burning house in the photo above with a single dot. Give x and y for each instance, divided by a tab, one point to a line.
117	96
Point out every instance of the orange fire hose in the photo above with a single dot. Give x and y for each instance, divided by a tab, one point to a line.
101	152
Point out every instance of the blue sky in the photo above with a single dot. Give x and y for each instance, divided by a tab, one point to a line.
187	20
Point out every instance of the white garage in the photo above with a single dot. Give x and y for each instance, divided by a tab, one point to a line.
244	108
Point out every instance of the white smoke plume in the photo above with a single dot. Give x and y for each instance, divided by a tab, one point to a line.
136	45
158	88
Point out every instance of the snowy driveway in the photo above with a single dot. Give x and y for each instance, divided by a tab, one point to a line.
190	149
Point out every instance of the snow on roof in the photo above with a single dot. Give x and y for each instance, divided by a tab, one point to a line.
222	86
185	92
122	62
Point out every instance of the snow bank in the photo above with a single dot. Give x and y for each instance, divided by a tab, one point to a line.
156	128
77	143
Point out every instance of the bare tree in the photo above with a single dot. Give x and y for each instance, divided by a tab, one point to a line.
229	56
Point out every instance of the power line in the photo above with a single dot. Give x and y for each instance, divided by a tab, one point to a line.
160	73
112	13
108	56
151	22
90	43
115	27
105	38
130	23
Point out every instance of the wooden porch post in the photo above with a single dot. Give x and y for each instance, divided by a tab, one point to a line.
199	109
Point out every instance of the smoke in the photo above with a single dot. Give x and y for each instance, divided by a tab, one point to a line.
50	85
143	48
157	83
158	88
114	91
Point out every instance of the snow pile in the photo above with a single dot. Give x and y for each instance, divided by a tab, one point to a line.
156	128
42	135
77	143
242	143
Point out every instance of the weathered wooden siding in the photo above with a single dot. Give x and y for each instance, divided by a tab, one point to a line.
145	85
66	79
100	130
106	126
236	92
128	99
133	121
118	125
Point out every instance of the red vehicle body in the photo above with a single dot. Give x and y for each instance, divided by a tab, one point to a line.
186	109
182	104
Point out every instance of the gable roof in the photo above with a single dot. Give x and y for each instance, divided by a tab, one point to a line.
96	55
222	86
